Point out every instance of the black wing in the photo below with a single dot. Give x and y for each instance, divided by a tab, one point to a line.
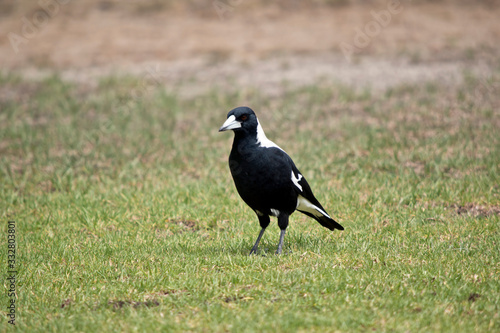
308	204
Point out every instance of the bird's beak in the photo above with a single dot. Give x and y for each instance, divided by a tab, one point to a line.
230	123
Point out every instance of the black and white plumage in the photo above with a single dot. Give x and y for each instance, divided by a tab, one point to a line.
266	177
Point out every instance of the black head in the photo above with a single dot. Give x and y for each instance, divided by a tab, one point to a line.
240	119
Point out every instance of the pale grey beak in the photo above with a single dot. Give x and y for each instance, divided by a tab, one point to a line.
230	123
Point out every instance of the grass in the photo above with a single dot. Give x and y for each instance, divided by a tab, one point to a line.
127	218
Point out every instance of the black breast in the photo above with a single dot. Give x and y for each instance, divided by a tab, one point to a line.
263	178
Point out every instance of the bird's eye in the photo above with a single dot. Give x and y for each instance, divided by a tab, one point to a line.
244	117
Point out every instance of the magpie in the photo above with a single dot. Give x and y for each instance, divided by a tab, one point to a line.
266	177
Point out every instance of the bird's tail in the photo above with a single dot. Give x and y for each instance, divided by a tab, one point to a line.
312	208
328	222
325	221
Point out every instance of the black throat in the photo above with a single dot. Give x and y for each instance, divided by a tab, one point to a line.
244	140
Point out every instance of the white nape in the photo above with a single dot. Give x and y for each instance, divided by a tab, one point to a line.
306	206
262	139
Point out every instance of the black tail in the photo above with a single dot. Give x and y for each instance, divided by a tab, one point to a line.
325	221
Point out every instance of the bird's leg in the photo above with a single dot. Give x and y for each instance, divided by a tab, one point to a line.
254	248
264	222
283	224
280	244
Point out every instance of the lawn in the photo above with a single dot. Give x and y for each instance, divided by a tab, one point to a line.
127	218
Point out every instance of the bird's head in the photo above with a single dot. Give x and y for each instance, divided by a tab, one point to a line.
240	119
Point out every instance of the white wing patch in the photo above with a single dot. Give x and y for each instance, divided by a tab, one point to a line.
306	206
296	180
262	139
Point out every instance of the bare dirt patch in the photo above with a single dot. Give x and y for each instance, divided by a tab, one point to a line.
169	292
476	210
187	224
66	303
473	297
134	304
191	49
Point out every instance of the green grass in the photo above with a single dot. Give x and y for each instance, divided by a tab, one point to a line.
127	218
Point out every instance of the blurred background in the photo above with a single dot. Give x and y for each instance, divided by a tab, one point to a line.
113	167
195	45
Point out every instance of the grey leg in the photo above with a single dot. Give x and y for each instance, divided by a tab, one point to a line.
280	244
282	223
254	248
264	222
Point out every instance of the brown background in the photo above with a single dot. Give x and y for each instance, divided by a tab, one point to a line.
253	44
